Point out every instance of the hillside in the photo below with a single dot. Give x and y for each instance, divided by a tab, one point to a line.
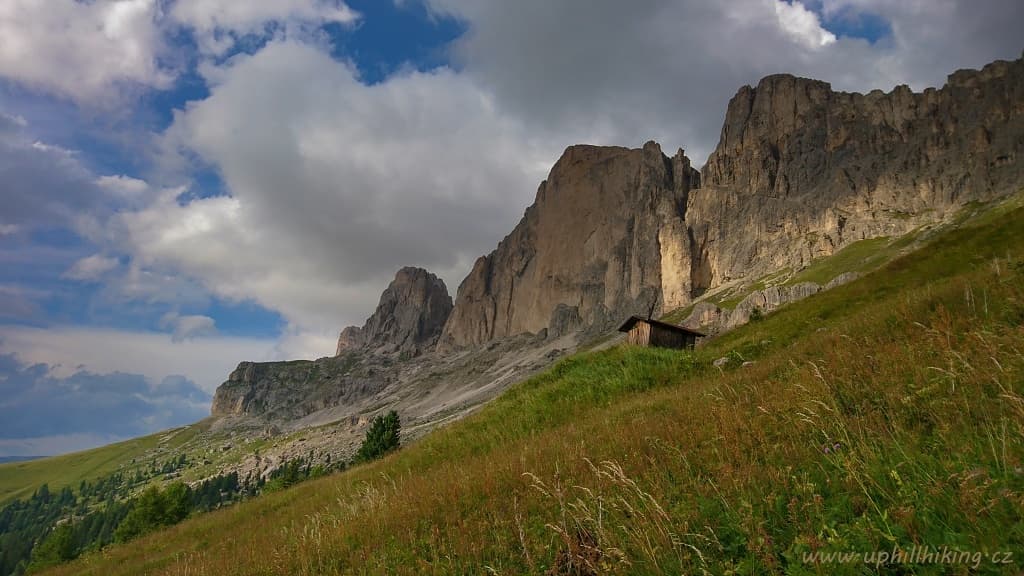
885	413
20	479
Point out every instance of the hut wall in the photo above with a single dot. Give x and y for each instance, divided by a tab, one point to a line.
639	335
644	334
664	338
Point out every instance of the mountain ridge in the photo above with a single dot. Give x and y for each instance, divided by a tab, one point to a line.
800	172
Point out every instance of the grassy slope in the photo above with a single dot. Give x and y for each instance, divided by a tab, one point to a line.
21	479
655	462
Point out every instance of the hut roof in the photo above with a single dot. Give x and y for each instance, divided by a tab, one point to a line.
628	325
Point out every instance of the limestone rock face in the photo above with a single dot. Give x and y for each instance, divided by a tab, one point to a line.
291	390
801	171
408	320
605	238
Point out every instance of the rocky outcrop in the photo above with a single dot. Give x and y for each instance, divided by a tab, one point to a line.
769	299
801	171
290	390
603	239
712	319
408	320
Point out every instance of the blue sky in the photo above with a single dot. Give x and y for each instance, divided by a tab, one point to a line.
192	183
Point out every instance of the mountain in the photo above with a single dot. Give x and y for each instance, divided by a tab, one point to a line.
597	245
800	171
801	175
408	320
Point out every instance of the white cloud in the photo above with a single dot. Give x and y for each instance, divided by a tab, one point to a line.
81	49
219	23
123	186
91	268
8	229
70	349
802	25
337	185
188	326
92	51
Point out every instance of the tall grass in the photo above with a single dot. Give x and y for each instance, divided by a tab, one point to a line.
882	415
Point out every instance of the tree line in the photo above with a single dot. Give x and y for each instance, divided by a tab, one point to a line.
51	528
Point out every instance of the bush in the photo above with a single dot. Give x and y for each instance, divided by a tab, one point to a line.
381	438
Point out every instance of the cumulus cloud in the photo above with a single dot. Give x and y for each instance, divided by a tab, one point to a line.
81	49
35	404
123	186
92	51
338	184
220	23
188	326
91	267
802	25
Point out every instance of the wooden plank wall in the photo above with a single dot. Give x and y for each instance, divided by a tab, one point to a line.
644	334
639	335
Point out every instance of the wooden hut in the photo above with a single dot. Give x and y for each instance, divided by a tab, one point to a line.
655	333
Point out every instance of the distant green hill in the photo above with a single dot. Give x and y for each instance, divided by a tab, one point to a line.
21	479
886	414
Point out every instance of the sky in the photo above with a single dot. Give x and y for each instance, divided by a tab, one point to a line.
186	184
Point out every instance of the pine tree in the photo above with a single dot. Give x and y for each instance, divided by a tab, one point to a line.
382	437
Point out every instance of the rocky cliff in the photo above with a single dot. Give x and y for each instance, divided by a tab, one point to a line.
601	241
408	320
291	390
800	171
